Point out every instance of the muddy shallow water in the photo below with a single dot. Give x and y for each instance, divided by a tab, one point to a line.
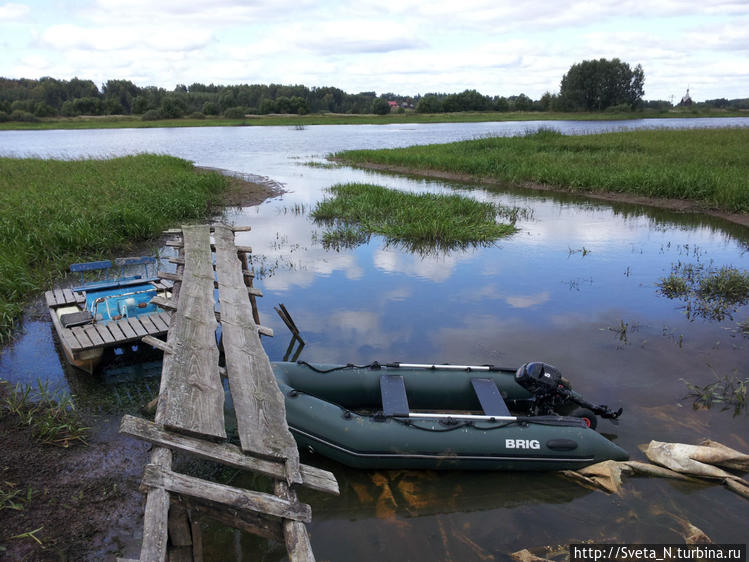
575	287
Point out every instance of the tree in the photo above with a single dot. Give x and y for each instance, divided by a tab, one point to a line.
380	106
594	85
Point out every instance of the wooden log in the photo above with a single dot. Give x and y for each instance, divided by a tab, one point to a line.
157	477
225	453
157	343
259	404
294	532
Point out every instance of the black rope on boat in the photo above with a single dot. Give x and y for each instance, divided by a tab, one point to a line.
433	429
373	365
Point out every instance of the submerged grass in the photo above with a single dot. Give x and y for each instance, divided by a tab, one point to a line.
708	166
52	416
707	292
419	221
57	212
730	391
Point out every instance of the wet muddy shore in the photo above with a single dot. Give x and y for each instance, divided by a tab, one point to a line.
83	502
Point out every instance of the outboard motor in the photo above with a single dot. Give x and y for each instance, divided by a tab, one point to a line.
551	391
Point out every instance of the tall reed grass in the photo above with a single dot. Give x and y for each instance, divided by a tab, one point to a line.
708	166
58	212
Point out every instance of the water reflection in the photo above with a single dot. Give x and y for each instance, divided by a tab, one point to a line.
577	276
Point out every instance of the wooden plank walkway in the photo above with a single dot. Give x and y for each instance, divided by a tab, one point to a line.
190	412
191	398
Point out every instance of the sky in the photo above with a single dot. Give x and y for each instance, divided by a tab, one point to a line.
408	47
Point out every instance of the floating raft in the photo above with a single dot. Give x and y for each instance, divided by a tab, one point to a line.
83	336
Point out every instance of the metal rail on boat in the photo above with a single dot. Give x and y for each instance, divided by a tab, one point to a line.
446	367
459	417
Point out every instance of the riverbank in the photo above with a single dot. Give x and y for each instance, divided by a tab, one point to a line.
61	212
83	502
691	170
301	121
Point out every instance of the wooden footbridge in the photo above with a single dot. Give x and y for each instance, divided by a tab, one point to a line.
190	412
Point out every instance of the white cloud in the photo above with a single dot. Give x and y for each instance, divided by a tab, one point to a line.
67	36
11	12
495	46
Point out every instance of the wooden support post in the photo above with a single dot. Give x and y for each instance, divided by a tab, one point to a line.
294	532
286	317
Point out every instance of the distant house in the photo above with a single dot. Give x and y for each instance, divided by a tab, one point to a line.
393	104
686	100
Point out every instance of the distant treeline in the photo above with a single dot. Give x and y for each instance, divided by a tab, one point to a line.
28	100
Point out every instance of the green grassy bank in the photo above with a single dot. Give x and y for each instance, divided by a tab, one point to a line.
706	166
135	121
57	212
420	221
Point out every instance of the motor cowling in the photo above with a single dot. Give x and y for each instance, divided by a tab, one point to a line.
539	378
551	391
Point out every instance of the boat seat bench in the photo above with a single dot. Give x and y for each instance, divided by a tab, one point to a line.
489	397
394	399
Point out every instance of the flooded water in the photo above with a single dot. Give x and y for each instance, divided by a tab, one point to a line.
576	287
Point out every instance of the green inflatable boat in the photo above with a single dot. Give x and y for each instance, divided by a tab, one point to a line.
443	416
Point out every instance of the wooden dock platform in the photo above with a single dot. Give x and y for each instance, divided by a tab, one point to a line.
84	343
190	411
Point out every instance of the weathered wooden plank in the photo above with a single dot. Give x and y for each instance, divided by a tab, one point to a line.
157	477
234	228
127	330
115	330
168	304
69	296
224	453
93	335
169	276
156	515
191	395
166	317
49	297
180	244
82	338
157	343
259	404
181	261
59	296
163	284
148	324
104	333
134	323
159	322
294	532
